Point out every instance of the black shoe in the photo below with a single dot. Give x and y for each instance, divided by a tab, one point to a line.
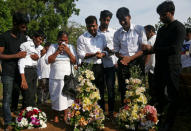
166	126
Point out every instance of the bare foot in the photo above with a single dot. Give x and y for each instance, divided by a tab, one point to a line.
66	120
56	119
8	128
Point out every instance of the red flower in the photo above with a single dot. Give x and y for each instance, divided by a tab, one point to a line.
21	113
29	114
35	111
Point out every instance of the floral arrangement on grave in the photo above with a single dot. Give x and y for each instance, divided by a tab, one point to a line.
85	113
29	118
136	114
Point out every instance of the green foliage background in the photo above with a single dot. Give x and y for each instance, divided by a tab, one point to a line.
48	15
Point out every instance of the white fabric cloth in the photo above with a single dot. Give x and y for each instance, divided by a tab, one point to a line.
86	43
128	43
61	66
43	68
151	64
58	70
29	47
110	60
185	58
59	102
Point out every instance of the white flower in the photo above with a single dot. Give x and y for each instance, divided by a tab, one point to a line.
34	116
80	78
43	114
82	82
35	108
30	126
88	89
127	81
135	81
23	123
92	78
43	124
29	108
140	90
89	84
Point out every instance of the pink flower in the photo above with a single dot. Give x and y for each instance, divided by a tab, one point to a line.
19	118
151	113
126	107
35	121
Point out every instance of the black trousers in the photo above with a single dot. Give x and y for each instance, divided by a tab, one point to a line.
167	77
29	94
16	93
151	88
124	73
99	82
109	76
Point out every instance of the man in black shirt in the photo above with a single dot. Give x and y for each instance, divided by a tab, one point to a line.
167	49
9	54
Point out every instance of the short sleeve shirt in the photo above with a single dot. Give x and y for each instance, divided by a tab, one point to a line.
11	46
61	66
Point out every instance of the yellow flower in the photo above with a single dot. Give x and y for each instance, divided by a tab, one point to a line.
83	122
135	108
95	95
87	107
134	115
142	99
129	93
77	113
87	101
76	106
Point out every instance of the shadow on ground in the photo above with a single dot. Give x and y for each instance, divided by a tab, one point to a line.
182	120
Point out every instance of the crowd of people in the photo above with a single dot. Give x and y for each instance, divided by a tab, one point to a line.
112	53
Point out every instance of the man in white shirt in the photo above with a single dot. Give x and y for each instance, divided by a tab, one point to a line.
43	70
186	50
27	68
109	62
127	46
150	60
90	49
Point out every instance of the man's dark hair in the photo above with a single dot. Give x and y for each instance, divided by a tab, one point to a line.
90	19
39	33
122	12
188	30
166	6
47	44
60	33
150	28
20	18
105	13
